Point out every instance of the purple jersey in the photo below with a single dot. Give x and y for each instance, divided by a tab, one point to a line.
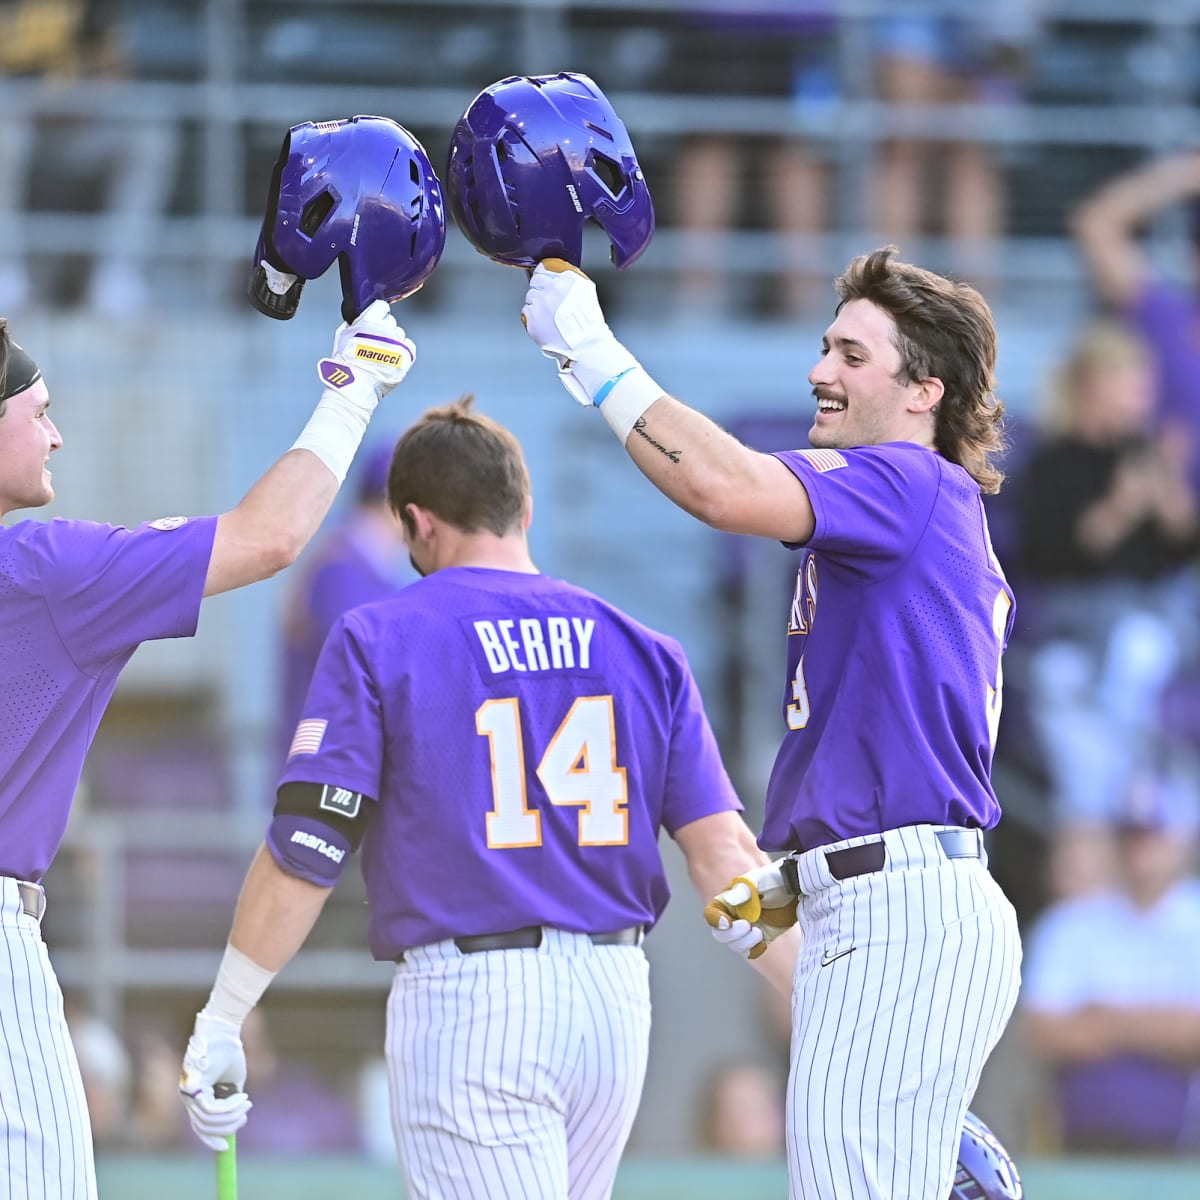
899	618
76	599
525	742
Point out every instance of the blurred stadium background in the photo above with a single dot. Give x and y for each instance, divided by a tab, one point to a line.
137	144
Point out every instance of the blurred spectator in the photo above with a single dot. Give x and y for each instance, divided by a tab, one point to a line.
70	46
295	1110
1112	989
1106	226
1107	525
945	57
742	1112
739	50
105	1067
354	561
158	1122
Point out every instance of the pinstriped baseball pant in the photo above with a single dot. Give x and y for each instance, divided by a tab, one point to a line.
516	1074
45	1135
906	979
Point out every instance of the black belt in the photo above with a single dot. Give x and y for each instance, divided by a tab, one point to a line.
872	856
530	938
33	899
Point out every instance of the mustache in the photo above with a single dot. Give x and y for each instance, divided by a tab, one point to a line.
828	394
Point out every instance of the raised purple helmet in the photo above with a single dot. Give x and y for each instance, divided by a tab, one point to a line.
985	1169
362	191
533	159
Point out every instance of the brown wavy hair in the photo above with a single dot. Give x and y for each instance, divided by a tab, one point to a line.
944	330
462	466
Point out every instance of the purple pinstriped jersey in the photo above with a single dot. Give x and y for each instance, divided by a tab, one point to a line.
525	742
76	600
898	621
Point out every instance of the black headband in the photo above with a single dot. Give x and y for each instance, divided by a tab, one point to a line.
22	372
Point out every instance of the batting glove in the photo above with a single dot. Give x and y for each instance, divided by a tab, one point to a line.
369	357
752	911
214	1055
563	317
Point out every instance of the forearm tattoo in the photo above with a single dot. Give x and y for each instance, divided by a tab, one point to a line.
639	427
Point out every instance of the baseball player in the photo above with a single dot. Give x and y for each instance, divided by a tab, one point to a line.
76	600
506	748
880	793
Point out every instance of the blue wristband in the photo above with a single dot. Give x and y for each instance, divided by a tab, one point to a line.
599	398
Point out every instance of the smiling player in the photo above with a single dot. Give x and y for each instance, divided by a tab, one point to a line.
881	789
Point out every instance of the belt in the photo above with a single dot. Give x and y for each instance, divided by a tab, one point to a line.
530	938
872	856
33	899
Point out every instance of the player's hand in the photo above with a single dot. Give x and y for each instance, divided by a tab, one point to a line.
370	356
214	1055
752	911
563	317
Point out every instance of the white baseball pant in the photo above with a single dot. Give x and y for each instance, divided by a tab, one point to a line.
45	1134
906	979
516	1074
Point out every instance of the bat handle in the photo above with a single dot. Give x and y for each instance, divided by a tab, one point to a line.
227	1159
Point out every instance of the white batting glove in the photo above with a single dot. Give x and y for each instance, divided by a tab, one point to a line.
214	1055
369	357
563	317
752	911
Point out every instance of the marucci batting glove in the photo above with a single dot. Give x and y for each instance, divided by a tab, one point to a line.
563	317
752	911
370	356
214	1055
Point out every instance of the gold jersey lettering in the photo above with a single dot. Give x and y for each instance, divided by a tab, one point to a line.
804	599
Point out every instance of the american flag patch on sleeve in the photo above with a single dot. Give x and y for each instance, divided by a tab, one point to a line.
309	735
824	460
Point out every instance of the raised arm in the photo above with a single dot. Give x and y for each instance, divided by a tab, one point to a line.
1107	223
281	512
688	457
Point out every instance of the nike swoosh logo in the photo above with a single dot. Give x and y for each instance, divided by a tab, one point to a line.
828	958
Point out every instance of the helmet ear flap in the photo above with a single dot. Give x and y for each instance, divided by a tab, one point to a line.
274	288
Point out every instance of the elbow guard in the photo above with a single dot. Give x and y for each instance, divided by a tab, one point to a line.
315	830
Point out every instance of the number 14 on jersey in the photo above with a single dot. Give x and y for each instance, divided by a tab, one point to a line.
578	767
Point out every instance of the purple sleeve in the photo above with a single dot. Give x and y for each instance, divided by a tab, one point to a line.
697	782
871	504
110	588
1169	320
339	739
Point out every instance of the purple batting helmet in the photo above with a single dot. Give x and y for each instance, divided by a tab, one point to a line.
533	159
362	191
985	1170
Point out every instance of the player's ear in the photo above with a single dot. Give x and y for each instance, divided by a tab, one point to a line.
926	395
527	519
418	522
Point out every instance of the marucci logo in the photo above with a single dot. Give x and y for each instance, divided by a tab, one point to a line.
334	375
340	800
391	358
311	842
